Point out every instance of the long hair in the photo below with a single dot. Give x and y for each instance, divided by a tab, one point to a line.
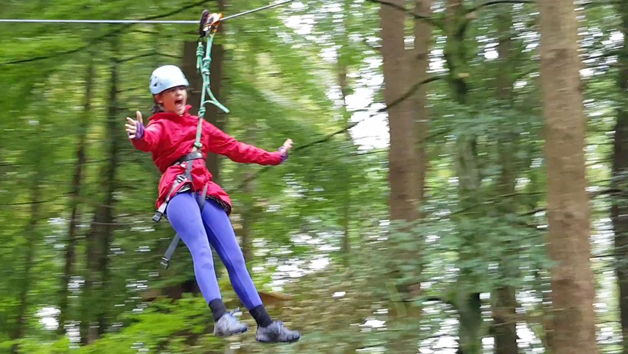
157	108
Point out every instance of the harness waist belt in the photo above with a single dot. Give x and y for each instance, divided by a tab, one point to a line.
195	155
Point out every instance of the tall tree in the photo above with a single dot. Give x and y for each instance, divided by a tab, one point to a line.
99	238
504	306
345	56
402	154
403	161
619	209
248	210
75	192
568	207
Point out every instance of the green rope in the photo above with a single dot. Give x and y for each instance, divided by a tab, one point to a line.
202	64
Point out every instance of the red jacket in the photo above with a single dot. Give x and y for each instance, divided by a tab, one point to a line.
169	137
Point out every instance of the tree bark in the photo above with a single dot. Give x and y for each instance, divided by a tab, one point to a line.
619	208
402	158
504	308
100	236
402	155
75	215
568	207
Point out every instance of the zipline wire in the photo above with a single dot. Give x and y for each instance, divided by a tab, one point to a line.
174	22
104	36
25	20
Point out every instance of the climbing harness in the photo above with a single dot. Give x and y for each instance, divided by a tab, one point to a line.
186	177
207	29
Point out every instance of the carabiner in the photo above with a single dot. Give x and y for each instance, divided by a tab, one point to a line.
209	21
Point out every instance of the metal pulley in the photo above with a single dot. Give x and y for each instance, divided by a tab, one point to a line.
209	22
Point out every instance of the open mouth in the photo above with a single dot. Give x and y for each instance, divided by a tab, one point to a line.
178	102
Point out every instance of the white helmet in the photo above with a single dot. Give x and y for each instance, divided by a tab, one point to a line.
165	77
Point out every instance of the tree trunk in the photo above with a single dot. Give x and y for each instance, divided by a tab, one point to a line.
75	192
420	64
249	210
99	238
402	153
403	162
619	209
345	209
568	207
247	223
546	306
31	235
504	307
467	299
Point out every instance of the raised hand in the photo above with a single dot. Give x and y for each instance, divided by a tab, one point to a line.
131	126
287	145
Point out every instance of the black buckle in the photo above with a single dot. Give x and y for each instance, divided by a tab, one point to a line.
195	155
157	216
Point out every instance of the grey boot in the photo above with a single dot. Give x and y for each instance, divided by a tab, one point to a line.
275	333
228	325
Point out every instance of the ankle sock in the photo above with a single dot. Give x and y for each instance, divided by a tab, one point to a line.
218	309
261	316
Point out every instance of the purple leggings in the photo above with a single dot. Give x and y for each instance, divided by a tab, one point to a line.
213	227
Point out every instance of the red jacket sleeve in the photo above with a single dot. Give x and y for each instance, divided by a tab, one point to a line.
150	140
220	143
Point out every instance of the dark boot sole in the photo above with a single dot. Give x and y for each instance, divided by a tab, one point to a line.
277	341
231	334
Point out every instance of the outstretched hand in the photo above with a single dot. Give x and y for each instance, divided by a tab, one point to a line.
287	145
131	126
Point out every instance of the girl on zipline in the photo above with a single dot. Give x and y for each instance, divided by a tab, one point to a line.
170	137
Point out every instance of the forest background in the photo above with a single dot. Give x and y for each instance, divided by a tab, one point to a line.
458	183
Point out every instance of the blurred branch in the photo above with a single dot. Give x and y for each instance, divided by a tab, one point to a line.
599	3
404	97
56	163
432	21
440	299
593	163
100	38
491	201
31	203
139	56
532	212
496	2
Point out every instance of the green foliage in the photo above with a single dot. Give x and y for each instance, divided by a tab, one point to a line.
281	81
